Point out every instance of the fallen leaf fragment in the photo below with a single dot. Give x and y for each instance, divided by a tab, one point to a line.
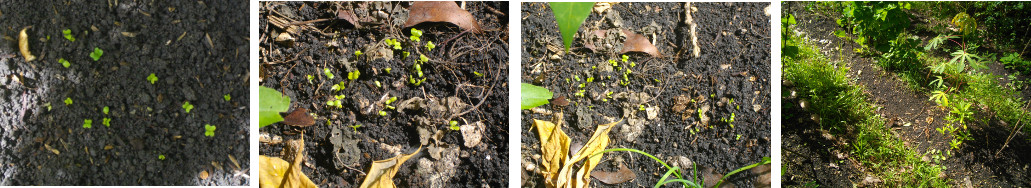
638	43
381	174
598	142
441	11
601	7
23	45
554	148
55	151
349	16
624	174
764	175
276	172
300	118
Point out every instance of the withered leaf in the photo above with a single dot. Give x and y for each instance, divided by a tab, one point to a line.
560	101
624	174
300	118
349	16
381	174
598	142
638	43
277	173
554	148
764	175
441	11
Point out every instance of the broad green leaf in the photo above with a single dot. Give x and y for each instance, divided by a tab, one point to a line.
533	96
839	33
270	104
569	16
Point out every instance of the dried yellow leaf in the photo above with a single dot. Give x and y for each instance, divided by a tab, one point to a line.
598	142
554	148
23	45
277	173
381	174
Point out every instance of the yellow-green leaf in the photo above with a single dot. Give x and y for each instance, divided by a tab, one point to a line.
381	174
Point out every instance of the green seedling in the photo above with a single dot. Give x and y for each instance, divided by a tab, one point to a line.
328	73
569	16
404	55
339	86
353	75
162	157
614	63
105	110
640	107
187	106
416	34
88	123
387	69
533	96
590	79
152	78
333	103
97	52
625	58
310	78
382	113
582	85
430	46
632	64
227	97
478	74
454	126
378	84
67	35
209	130
423	58
576	77
389	107
738	137
355	127
65	63
394	43
339	97
579	93
391	100
357	53
68	101
107	122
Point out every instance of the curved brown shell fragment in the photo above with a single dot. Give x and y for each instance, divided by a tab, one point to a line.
441	11
638	43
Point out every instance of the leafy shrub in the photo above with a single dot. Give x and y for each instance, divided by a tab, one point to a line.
875	23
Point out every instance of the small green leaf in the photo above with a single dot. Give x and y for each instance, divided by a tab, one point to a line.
328	74
227	97
68	101
152	78
68	35
63	62
270	104
88	123
209	130
569	16
162	157
533	96
106	110
97	52
187	106
454	126
107	122
430	46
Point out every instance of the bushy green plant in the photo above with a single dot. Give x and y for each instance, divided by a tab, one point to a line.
875	23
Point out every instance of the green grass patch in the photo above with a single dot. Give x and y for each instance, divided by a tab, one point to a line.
845	111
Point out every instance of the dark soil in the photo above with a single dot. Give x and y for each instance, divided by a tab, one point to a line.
198	49
732	35
451	72
975	162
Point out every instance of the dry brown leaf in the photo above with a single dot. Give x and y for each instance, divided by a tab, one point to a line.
554	149
381	174
598	142
638	43
624	174
277	173
23	45
349	16
55	151
441	11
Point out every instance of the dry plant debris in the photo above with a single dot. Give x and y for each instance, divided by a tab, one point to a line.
382	172
555	144
442	11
